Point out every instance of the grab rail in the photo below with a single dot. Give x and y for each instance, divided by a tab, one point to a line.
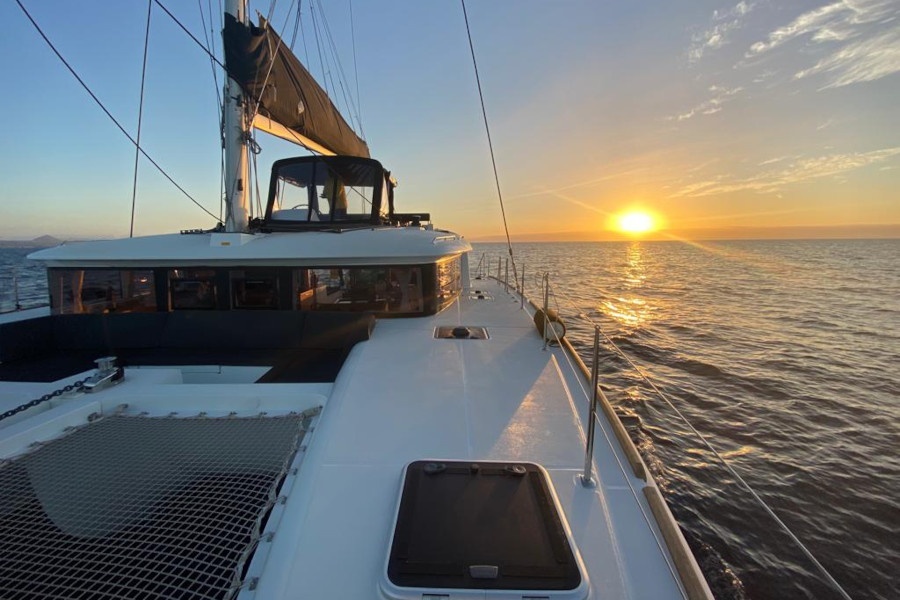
586	478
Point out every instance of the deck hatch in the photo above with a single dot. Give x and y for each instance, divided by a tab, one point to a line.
487	526
142	507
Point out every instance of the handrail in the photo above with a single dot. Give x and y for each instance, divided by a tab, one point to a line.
587	479
631	452
16	289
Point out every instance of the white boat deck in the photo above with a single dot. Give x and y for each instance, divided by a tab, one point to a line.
404	396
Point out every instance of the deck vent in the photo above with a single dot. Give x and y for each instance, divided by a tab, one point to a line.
142	507
484	526
460	332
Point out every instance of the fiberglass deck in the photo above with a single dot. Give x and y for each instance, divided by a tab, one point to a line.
404	396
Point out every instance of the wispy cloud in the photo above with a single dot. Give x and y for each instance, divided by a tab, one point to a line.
863	60
775	179
720	95
772	161
721	26
580	184
862	36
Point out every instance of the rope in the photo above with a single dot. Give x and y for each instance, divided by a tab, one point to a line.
709	446
137	154
105	110
490	143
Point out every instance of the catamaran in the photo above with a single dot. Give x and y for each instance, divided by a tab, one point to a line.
323	401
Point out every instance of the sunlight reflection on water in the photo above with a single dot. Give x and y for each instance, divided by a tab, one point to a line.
784	354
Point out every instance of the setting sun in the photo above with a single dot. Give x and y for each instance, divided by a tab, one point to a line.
636	222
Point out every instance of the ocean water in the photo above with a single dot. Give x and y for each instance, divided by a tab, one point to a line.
22	281
784	354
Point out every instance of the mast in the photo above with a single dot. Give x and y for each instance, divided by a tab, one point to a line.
237	131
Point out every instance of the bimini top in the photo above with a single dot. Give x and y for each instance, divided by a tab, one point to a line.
328	192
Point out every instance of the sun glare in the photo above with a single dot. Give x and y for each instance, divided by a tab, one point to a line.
636	222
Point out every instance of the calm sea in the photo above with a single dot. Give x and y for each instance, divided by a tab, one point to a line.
784	354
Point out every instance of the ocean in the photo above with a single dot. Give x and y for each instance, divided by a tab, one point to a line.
785	355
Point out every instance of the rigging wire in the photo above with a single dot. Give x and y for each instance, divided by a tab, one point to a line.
323	27
274	54
335	59
296	25
212	56
105	110
831	580
137	154
362	133
312	14
490	143
211	43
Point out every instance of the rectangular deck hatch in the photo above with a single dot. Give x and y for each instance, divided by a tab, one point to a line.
142	507
480	526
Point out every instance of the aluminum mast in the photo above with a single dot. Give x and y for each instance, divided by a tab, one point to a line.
237	130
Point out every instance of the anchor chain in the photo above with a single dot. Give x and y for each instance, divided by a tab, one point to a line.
63	390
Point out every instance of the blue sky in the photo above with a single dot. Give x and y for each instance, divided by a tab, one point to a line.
710	114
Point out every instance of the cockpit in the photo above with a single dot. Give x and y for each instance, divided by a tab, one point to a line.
325	191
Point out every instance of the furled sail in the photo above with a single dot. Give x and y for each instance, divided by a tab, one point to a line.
291	104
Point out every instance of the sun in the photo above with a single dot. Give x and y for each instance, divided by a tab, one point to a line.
636	222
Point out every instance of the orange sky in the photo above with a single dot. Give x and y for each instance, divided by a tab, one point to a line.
724	118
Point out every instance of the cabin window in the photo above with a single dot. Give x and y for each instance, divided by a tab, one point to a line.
325	191
386	196
449	282
76	291
344	195
292	199
405	291
391	290
254	289
376	289
192	289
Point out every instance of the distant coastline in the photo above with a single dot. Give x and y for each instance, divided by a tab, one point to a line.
832	232
45	241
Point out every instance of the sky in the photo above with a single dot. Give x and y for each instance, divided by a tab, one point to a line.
758	118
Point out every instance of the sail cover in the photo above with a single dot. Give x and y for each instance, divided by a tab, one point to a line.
287	93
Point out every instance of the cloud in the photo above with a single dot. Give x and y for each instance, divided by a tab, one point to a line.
720	95
716	36
774	180
856	62
772	161
862	39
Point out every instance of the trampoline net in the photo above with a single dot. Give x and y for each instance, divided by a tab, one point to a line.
142	507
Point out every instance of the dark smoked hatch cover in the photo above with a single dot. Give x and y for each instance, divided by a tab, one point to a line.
486	525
